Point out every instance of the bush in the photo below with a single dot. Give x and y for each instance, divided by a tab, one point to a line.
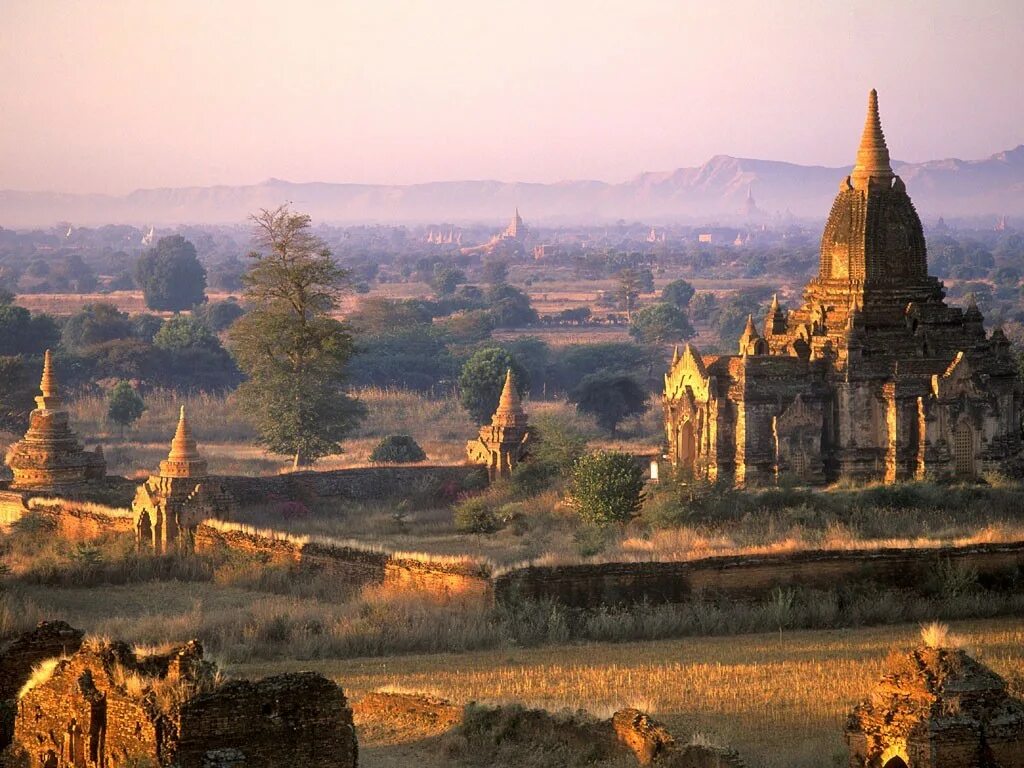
476	516
607	487
397	449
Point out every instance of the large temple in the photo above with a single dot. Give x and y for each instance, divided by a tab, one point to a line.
873	377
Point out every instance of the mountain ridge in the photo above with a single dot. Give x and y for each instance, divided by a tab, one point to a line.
714	189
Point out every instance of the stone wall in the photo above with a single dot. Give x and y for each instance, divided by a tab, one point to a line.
359	484
351	564
81	520
753	577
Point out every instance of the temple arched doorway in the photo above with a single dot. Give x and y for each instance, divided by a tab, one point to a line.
963	451
686	442
896	762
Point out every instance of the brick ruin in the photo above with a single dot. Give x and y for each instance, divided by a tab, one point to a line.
49	458
108	705
937	708
503	443
872	378
169	505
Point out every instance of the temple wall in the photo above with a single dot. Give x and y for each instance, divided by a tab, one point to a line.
353	566
754	577
81	520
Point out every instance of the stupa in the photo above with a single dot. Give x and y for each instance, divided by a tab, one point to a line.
504	442
50	459
169	505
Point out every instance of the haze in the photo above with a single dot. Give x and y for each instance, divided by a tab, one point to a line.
109	97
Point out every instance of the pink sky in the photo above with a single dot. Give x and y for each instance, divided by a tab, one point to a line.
116	95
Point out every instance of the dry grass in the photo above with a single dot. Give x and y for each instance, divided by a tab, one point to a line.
781	701
41	672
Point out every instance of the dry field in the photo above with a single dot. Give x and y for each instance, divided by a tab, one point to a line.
780	700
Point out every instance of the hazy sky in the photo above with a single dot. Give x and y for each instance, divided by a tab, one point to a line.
112	96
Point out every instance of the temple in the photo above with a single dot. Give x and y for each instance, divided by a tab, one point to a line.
872	378
169	505
503	443
49	459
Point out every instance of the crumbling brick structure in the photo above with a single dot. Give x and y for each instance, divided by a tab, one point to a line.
108	705
168	506
937	708
873	377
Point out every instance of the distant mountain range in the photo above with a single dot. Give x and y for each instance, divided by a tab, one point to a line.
716	189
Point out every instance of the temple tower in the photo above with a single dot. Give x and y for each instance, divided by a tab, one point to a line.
503	443
50	458
169	505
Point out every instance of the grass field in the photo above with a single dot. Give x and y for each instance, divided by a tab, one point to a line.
780	700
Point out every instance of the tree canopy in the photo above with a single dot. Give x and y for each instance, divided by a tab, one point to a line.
660	322
170	275
294	353
609	398
606	487
482	379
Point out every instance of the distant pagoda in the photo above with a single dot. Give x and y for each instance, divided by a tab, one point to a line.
503	443
169	505
50	459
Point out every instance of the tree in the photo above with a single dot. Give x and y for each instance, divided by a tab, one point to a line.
678	293
294	353
482	379
94	324
125	405
445	280
609	398
494	271
18	387
606	487
397	449
510	307
660	322
182	332
218	315
170	275
629	290
22	333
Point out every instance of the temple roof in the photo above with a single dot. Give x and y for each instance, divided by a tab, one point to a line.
873	154
183	460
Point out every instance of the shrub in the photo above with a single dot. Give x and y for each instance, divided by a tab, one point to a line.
397	449
607	487
476	516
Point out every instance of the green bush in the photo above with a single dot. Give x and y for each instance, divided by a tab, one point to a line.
607	487
397	449
476	515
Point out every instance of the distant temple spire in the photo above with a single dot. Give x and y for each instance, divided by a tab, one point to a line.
873	154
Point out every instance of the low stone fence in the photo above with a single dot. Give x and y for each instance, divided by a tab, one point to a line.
755	577
81	520
353	564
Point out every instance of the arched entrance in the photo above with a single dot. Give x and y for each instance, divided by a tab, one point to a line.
686	445
896	762
963	451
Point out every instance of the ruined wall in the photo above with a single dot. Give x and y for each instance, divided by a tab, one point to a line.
82	521
296	720
357	484
352	565
752	577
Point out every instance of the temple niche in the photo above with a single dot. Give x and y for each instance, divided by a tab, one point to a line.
169	505
50	459
503	443
872	378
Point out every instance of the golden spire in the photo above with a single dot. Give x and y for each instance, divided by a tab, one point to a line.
49	399
775	304
873	154
183	459
509	402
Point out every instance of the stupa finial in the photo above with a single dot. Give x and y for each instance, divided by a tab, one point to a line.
873	154
49	398
509	402
183	460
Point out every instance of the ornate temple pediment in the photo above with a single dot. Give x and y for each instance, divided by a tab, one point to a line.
958	379
798	414
688	373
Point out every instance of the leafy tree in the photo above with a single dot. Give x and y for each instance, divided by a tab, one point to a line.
218	315
377	315
629	289
678	293
412	357
294	353
659	323
95	324
510	307
22	333
445	280
170	275
576	361
609	398
182	332
482	379
494	271
145	326
18	387
397	449
125	405
606	487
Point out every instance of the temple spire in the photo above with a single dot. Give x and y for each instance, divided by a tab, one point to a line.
49	399
509	402
183	460
873	154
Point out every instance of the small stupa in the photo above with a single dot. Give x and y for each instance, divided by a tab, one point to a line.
503	443
169	505
50	459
